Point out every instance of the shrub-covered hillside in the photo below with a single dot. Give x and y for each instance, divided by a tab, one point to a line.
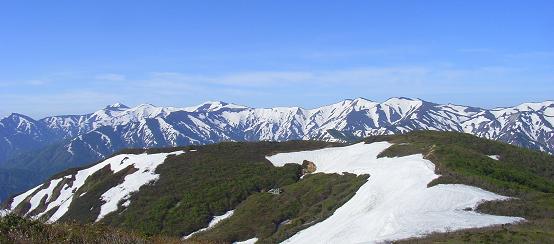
209	181
206	181
15	229
274	218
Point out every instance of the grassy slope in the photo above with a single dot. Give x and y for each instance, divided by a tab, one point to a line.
521	173
14	229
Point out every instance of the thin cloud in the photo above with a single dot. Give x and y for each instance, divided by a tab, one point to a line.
475	50
35	82
285	78
73	102
390	77
532	55
282	87
111	77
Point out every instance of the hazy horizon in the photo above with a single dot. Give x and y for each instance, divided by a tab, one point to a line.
246	105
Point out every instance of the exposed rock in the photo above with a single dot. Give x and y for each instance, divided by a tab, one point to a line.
275	191
308	167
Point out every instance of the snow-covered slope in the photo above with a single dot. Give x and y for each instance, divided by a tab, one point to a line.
395	203
54	197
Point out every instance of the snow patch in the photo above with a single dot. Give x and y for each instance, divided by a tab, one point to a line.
19	198
249	241
70	149
146	165
215	220
395	203
495	157
37	197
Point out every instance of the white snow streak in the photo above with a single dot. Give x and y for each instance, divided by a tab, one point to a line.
37	197
495	157
18	199
215	220
249	241
146	165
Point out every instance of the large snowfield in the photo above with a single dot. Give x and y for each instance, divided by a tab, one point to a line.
395	203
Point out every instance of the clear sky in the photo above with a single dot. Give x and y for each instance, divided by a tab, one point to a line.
67	57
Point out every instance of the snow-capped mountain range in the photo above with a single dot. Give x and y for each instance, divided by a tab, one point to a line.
59	142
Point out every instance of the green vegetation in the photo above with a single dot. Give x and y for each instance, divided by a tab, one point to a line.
539	231
14	229
462	159
193	187
274	218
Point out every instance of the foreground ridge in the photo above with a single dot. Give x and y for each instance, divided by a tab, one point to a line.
385	188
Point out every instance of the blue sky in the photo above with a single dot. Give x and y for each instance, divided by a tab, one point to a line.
67	57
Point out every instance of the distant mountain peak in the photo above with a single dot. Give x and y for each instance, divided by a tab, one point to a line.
536	105
216	102
403	99
117	106
361	103
18	116
362	99
210	106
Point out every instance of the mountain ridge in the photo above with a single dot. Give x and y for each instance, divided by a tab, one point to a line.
371	116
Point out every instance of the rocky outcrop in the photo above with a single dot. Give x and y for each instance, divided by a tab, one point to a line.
308	167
